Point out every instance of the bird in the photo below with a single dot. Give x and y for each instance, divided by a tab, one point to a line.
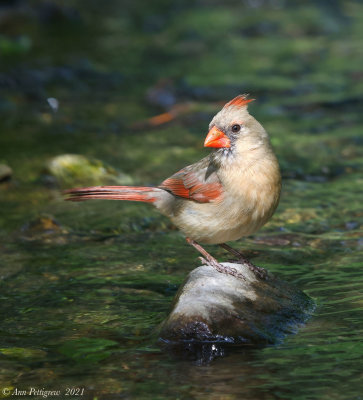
227	195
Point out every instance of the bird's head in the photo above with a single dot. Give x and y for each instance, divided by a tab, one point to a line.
233	130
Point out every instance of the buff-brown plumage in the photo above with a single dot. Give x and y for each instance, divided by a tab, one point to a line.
225	196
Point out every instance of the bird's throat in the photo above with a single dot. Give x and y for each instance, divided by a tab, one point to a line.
225	154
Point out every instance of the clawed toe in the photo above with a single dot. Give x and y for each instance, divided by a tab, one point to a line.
203	261
209	260
224	269
259	271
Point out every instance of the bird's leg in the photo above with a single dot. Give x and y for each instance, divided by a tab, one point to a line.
259	271
210	260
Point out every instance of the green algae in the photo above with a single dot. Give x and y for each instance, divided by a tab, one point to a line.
80	301
87	350
75	170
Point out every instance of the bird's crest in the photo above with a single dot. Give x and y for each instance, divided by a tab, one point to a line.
239	101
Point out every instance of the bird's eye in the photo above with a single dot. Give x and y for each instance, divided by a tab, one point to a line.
236	128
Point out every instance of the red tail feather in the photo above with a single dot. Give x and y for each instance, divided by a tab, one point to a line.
131	193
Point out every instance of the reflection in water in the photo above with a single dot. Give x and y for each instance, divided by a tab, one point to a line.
199	353
83	289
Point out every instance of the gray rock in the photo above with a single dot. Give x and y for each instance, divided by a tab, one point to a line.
215	307
74	169
5	172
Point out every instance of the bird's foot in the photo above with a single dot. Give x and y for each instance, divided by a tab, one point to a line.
258	271
223	269
203	261
207	259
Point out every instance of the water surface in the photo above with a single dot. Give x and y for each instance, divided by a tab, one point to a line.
81	297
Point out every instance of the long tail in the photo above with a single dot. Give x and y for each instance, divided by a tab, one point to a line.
131	193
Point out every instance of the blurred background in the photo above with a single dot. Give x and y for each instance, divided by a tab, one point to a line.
121	92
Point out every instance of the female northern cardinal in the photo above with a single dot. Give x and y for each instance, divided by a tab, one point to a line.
227	195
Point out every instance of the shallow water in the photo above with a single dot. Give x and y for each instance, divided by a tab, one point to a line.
82	297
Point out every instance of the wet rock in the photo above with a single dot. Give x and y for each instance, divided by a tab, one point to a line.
215	307
5	172
272	241
22	353
73	169
162	94
42	224
54	13
45	229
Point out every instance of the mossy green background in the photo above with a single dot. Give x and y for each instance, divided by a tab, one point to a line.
81	296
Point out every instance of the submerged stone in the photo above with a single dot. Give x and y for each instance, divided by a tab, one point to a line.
44	228
215	307
42	224
75	169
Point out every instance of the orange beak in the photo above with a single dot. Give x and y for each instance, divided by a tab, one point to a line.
216	138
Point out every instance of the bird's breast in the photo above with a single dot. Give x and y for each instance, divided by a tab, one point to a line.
248	201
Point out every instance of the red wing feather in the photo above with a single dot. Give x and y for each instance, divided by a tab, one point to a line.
187	185
176	186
